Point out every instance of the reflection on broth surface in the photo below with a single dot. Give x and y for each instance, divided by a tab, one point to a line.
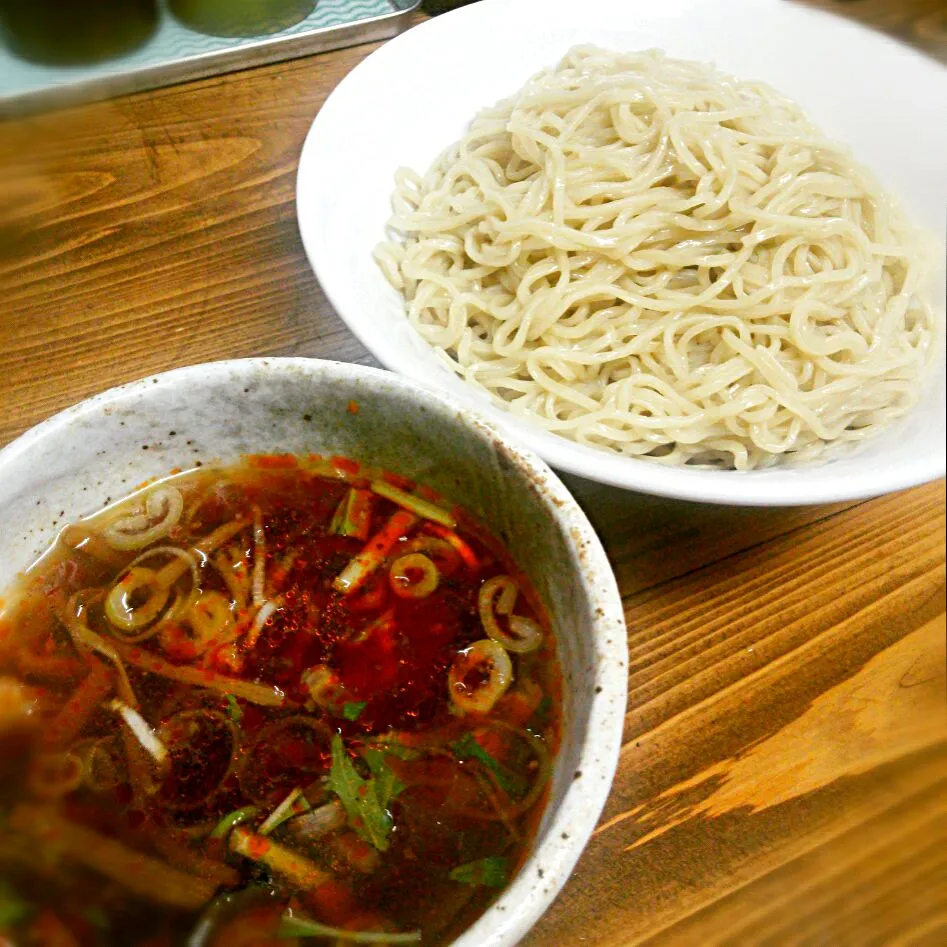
290	699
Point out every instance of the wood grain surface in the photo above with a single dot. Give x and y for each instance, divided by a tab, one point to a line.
784	773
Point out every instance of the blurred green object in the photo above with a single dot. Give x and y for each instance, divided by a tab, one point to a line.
240	17
75	32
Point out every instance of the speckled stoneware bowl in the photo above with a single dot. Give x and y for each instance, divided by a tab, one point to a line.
99	450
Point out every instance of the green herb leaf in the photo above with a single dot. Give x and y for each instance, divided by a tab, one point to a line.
467	748
387	785
365	800
292	925
494	872
399	751
233	709
353	709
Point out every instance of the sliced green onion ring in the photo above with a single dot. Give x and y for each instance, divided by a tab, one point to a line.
121	609
135	622
163	508
439	551
211	619
492	661
402	578
525	634
84	638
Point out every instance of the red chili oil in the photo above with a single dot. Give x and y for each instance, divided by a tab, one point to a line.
387	658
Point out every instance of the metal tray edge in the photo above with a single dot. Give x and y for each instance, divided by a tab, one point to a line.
264	51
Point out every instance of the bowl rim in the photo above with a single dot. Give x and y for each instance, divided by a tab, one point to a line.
774	486
523	901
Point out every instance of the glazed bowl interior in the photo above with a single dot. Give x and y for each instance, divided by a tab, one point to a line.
97	452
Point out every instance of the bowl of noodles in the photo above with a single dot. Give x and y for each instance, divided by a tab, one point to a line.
344	665
653	243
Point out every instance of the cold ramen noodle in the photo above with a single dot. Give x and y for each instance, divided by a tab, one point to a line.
290	701
650	257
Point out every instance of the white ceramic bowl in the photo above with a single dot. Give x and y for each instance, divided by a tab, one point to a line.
96	452
416	94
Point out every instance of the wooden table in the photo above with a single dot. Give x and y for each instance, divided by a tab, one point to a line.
784	771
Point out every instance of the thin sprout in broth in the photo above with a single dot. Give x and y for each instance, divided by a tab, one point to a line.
288	700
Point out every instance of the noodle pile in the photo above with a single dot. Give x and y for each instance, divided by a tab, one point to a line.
649	257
